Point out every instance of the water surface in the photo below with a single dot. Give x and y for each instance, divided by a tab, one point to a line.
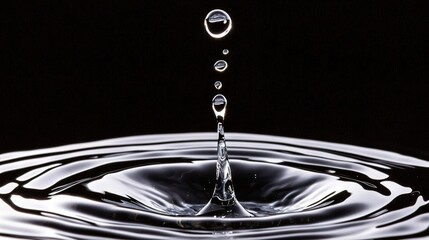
152	187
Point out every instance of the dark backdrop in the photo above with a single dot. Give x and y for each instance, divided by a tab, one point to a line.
347	71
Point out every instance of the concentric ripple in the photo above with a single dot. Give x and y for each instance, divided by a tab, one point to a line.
151	187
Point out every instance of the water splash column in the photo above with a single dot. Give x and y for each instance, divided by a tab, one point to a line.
223	202
224	190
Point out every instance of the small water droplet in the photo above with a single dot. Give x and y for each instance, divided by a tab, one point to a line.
220	65
219	107
218	85
225	52
217	23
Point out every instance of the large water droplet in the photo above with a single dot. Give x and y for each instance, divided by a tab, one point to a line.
218	85
219	107
217	23
220	65
225	51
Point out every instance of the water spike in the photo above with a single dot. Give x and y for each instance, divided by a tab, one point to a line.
223	202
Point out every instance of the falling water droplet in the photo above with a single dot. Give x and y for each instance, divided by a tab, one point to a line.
220	65
225	52
217	23
219	107
218	85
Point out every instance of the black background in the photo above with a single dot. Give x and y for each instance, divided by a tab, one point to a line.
348	71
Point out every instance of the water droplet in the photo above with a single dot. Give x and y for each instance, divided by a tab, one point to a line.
218	85
217	23
225	52
220	65
219	107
